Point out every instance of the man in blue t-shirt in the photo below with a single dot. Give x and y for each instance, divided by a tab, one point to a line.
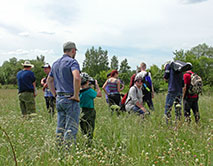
49	98
64	82
175	85
26	89
87	96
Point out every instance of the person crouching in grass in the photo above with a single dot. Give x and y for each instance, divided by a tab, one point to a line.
87	96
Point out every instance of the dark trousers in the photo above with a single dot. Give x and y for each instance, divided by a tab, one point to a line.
87	122
148	99
50	103
191	103
114	99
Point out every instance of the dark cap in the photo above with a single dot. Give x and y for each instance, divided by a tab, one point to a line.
46	65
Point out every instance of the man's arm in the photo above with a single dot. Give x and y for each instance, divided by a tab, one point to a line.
99	94
104	88
184	91
50	82
76	85
34	85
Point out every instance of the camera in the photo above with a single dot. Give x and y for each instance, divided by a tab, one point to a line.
91	81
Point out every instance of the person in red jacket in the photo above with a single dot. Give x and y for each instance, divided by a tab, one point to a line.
190	101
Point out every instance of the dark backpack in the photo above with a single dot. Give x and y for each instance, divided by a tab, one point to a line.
146	88
196	84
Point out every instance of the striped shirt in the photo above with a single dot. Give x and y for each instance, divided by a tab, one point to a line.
113	87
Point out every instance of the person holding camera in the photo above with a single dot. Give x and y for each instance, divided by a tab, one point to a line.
87	96
175	85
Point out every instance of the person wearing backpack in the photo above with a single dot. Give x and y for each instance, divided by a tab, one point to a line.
147	87
190	96
134	101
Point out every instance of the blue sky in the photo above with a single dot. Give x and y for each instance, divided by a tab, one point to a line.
139	30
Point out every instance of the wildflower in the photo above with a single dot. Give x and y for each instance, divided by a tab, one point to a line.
196	160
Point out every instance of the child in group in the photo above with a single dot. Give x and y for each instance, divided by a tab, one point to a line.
87	96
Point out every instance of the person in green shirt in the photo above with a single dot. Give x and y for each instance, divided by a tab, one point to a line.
87	96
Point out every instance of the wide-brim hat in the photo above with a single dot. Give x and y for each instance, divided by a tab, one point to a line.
27	63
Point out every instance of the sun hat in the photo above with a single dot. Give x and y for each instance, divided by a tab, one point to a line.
27	63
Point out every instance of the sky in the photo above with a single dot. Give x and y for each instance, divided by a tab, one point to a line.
139	30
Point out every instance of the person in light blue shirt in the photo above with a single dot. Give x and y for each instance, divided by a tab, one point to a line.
49	98
65	78
87	96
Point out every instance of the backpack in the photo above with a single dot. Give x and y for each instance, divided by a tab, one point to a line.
146	88
196	84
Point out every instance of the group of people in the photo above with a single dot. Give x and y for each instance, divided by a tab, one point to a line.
72	90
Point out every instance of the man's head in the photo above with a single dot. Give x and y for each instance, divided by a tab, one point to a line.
138	81
143	66
46	68
70	49
84	78
27	65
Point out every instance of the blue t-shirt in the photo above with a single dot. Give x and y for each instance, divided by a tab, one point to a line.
25	81
87	98
175	80
62	73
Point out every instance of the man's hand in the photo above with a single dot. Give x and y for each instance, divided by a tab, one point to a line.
153	94
75	98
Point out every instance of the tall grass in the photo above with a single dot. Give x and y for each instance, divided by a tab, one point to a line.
118	140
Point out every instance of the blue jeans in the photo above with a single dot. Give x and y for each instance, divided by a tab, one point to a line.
175	98
136	109
67	119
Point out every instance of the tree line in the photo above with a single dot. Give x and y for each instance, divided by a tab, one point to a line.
97	65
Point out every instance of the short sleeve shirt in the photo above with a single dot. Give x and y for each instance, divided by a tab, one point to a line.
61	71
25	80
187	81
87	98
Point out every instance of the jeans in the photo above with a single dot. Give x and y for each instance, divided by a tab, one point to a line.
50	103
67	119
175	98
136	109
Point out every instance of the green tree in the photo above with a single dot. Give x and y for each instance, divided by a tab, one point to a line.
201	58
124	67
114	63
9	70
96	60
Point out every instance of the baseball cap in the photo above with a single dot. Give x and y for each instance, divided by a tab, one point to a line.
47	65
69	45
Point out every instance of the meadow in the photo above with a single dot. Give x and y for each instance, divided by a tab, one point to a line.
125	140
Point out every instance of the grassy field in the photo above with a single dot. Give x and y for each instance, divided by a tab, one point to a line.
119	140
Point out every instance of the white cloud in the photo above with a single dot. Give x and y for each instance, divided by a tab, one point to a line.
143	25
25	34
